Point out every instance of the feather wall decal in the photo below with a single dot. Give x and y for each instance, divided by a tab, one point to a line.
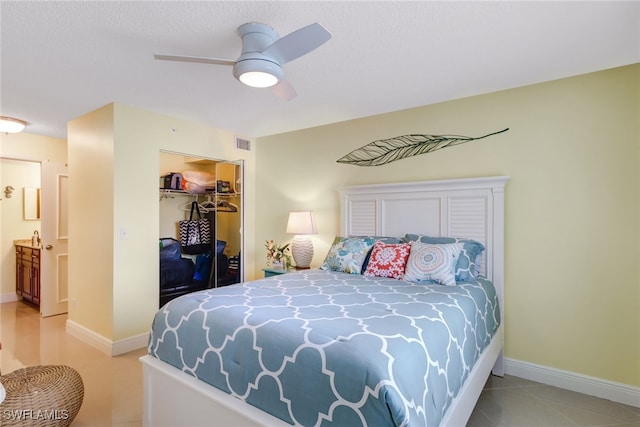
385	151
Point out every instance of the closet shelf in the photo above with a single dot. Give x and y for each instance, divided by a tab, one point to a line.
208	193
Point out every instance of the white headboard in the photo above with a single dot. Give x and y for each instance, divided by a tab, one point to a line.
470	207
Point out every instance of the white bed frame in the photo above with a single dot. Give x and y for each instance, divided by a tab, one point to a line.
472	207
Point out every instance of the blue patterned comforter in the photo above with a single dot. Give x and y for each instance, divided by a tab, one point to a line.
321	347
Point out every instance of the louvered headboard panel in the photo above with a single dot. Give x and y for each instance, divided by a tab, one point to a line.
470	207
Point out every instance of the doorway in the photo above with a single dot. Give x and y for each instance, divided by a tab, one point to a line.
219	199
15	176
26	211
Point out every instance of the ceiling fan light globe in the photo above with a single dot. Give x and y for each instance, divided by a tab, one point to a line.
258	73
258	79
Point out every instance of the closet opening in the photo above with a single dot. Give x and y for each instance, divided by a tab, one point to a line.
203	249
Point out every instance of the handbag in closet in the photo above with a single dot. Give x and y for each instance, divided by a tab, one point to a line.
195	233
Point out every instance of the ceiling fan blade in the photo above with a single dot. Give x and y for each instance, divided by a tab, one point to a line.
197	59
283	89
297	43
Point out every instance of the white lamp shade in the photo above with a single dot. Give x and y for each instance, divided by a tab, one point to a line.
301	224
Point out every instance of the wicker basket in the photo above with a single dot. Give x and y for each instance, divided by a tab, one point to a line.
41	396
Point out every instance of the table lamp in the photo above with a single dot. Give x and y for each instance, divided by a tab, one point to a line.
301	224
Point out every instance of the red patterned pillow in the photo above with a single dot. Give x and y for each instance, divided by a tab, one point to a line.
388	260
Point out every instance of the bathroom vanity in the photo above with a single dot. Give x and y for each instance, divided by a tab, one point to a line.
28	271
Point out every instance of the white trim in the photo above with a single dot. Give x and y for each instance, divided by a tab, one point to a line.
598	387
105	345
174	398
9	297
88	336
130	344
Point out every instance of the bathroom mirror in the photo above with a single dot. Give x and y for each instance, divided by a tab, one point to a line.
31	203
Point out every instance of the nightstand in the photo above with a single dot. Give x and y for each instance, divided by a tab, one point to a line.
268	272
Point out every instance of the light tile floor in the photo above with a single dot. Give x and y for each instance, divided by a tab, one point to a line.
113	385
513	401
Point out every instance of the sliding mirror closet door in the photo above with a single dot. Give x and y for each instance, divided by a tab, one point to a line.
229	223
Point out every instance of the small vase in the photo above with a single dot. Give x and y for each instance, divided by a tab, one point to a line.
277	265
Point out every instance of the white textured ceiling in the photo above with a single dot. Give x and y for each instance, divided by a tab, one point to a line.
60	60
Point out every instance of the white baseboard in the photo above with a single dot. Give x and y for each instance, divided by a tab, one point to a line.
105	345
617	392
129	344
10	297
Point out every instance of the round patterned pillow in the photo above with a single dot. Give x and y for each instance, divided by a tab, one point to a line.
432	262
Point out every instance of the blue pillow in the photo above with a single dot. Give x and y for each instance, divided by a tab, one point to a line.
347	254
466	267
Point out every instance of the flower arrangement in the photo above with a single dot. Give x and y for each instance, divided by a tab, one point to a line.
278	254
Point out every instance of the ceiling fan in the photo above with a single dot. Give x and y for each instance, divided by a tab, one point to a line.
264	53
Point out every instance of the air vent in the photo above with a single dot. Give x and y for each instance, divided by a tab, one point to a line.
243	144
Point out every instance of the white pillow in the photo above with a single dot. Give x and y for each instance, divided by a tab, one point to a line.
433	262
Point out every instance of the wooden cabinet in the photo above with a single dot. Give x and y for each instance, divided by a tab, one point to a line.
28	273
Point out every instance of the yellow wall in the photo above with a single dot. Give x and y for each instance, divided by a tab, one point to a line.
572	205
114	164
91	198
22	154
37	148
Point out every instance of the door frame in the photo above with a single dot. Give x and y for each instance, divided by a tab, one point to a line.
6	245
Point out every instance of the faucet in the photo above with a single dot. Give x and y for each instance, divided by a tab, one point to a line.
35	240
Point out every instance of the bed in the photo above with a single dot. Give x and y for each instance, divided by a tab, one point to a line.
325	347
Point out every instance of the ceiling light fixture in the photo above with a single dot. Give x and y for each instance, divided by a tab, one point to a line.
258	72
258	79
11	125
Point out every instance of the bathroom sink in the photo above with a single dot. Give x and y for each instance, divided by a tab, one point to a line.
24	242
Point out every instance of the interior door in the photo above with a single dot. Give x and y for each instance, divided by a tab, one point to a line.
54	292
239	185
